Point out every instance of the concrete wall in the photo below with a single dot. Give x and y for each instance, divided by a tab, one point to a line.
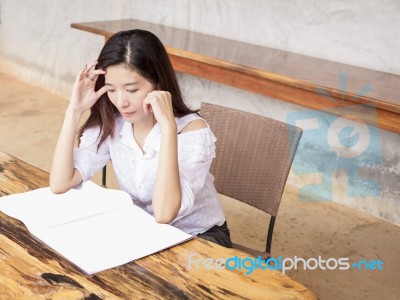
37	45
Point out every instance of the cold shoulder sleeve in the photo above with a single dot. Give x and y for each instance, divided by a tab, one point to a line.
87	159
196	150
196	146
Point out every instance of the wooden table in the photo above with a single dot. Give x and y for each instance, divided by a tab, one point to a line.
31	270
303	80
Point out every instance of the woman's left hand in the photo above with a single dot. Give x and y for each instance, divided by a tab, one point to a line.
160	104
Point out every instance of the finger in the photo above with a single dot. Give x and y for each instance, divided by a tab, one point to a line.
151	99
147	106
90	67
162	96
95	73
81	72
98	72
85	70
153	93
101	91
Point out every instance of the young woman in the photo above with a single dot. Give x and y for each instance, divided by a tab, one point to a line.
161	150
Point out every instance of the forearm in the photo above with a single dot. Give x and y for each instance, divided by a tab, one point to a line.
62	174
167	192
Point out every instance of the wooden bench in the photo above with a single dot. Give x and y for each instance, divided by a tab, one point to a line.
307	81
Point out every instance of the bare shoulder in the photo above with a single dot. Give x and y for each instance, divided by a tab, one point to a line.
195	125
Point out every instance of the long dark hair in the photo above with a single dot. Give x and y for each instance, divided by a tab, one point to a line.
142	52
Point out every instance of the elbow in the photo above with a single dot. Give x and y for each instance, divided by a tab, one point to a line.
166	215
166	211
57	188
164	218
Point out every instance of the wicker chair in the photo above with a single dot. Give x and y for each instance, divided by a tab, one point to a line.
253	160
254	156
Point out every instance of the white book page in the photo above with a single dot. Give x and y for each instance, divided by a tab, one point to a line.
113	239
39	209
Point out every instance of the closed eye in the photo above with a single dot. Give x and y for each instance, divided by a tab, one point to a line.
110	91
131	91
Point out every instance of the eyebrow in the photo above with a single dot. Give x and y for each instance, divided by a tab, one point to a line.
125	84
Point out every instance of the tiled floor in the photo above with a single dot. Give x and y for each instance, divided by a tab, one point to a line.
30	119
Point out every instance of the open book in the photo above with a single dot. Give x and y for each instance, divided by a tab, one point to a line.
93	227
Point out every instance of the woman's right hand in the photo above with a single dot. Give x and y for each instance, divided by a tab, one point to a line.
84	95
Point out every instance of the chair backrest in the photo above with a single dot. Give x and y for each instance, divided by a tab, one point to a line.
254	155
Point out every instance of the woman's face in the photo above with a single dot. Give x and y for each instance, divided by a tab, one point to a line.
127	91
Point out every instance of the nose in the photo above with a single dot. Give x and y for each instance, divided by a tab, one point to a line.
122	100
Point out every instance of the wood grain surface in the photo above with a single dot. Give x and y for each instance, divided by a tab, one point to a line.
32	270
307	81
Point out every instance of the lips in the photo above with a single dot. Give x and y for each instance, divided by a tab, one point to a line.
127	114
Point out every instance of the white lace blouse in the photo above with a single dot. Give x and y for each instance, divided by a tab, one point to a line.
136	172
